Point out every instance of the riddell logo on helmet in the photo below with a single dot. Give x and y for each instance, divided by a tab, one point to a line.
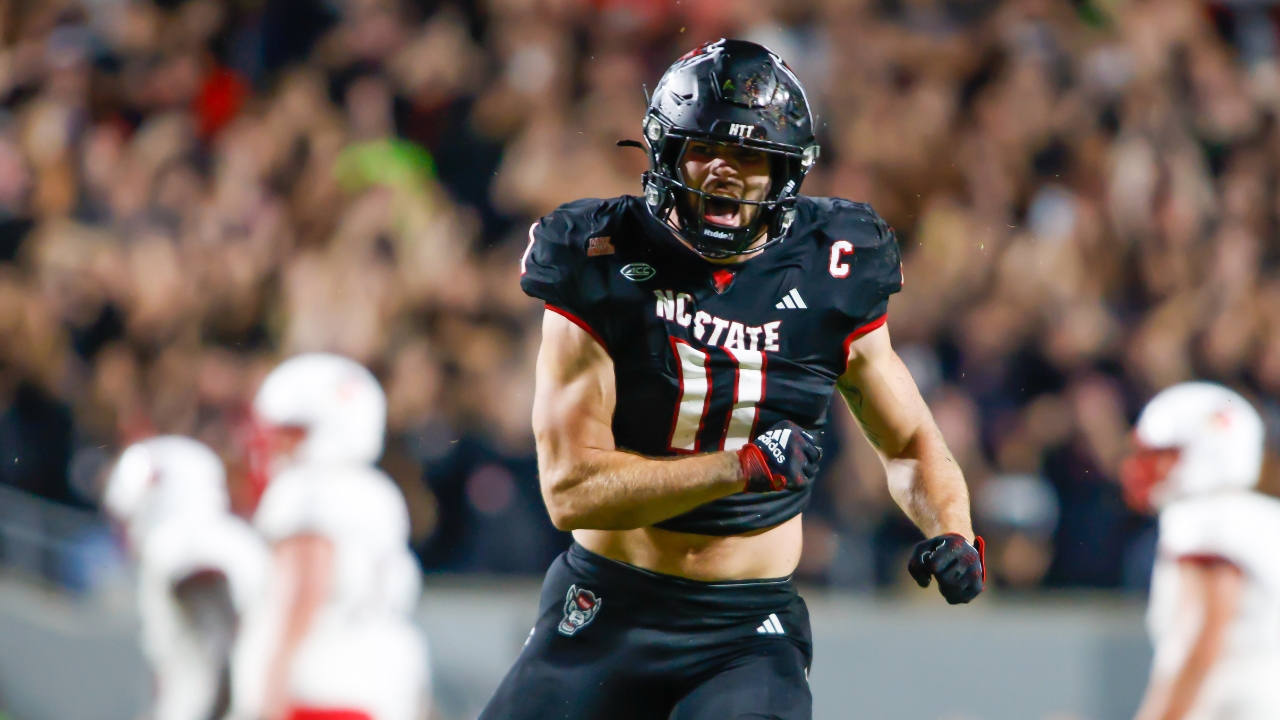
718	234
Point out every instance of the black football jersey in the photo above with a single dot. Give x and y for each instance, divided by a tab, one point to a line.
708	356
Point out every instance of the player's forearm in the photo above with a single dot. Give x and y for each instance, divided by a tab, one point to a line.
1184	691
1216	584
1191	676
924	478
613	490
926	482
1173	701
304	564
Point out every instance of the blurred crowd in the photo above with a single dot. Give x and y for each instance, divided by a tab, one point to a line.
1086	193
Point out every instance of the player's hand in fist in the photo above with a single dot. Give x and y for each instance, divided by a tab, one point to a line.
961	568
785	457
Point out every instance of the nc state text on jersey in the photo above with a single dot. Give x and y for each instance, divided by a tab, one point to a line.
676	307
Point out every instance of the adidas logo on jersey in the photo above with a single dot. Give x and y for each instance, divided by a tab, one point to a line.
771	626
791	300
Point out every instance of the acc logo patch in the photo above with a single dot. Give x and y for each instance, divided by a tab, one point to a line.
580	608
638	272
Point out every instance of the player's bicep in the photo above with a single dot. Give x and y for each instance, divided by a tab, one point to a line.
304	566
1216	583
881	393
307	561
574	397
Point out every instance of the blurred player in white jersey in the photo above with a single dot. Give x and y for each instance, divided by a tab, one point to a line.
199	568
1214	617
333	639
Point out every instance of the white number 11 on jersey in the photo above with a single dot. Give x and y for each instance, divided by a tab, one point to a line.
695	398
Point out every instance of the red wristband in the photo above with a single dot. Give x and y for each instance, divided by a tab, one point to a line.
754	467
981	545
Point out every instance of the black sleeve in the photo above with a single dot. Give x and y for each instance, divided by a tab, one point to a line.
883	267
547	270
554	268
875	264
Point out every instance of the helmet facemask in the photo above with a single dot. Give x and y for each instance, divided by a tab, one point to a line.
1144	473
270	450
668	191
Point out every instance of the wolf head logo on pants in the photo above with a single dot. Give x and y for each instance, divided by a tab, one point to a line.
580	608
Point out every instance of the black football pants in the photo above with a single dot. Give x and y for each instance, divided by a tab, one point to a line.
614	642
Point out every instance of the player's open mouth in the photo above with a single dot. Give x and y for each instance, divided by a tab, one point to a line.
721	212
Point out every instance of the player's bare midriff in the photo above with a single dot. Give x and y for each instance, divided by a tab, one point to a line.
766	553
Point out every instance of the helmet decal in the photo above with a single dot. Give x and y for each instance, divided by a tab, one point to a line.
705	48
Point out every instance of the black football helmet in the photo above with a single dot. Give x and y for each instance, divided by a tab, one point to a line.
728	92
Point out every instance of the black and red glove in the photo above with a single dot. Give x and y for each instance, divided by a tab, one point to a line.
785	457
961	568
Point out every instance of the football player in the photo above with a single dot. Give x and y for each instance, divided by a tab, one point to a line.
691	344
1214	617
199	568
333	637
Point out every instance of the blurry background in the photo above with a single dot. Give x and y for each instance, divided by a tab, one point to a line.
1086	193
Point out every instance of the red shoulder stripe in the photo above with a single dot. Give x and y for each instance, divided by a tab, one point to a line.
874	324
579	322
